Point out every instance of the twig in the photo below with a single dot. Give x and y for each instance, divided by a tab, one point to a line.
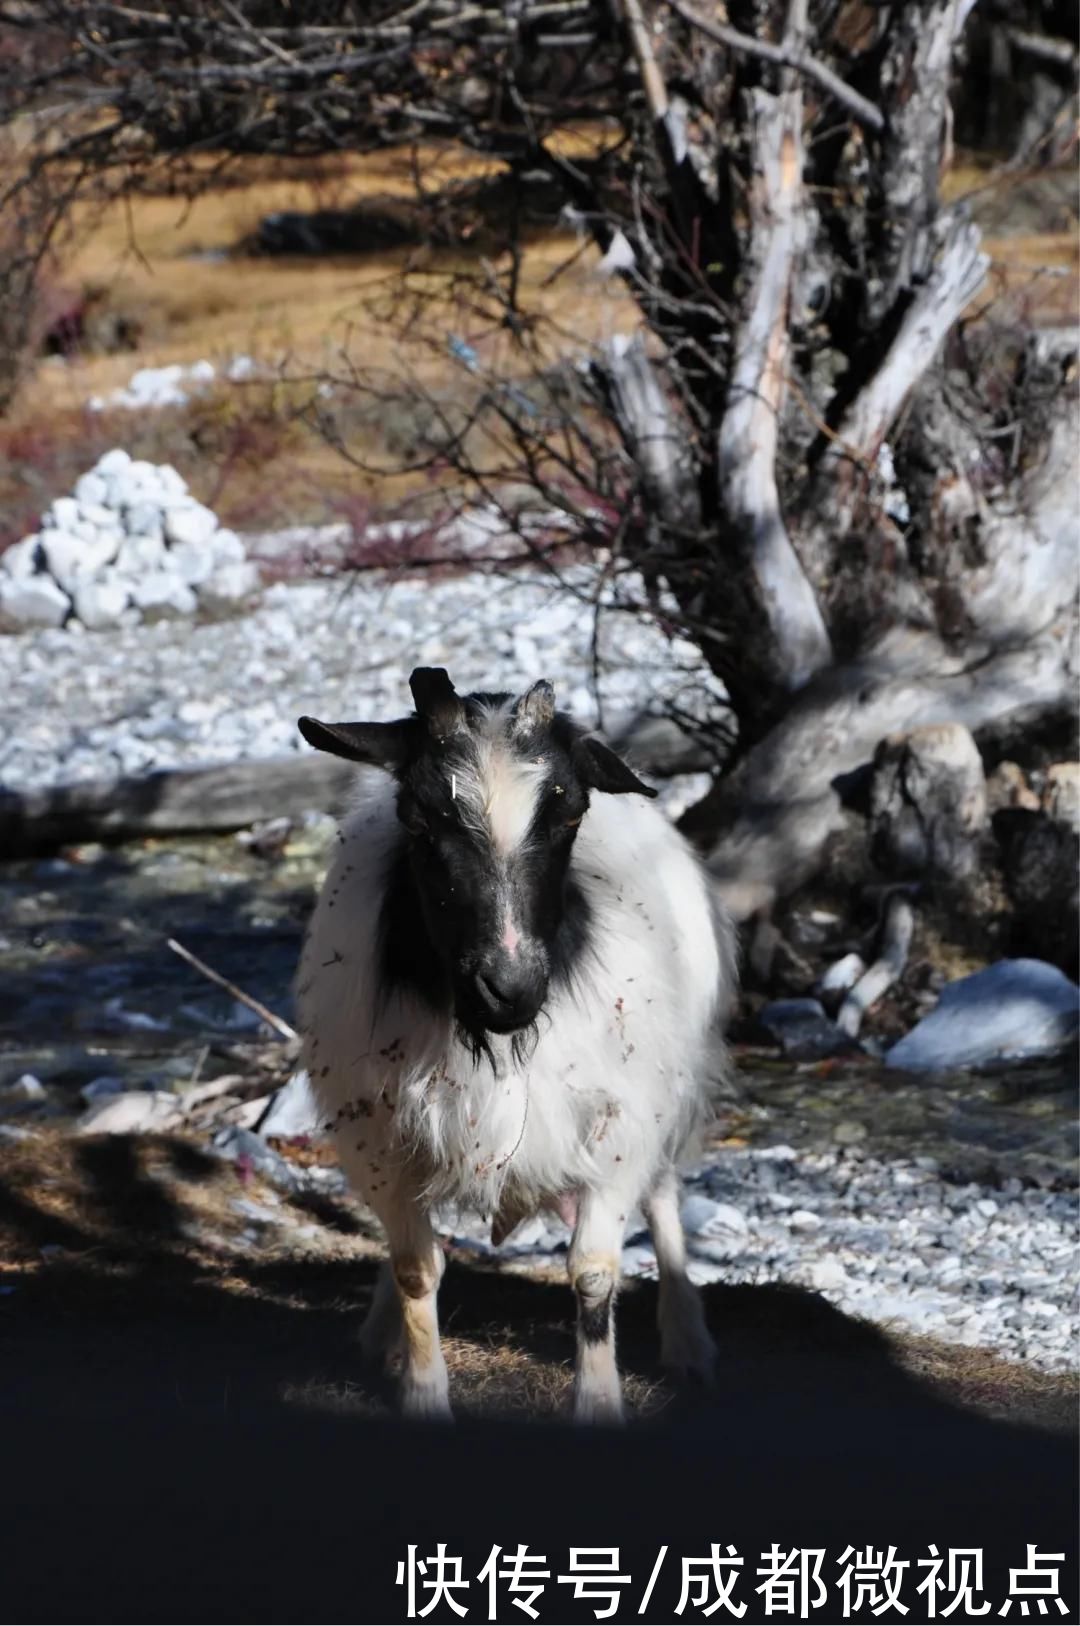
245	999
787	56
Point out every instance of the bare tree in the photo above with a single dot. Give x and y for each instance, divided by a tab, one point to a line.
861	501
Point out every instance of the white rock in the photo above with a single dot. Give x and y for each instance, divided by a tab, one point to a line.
63	514
194	562
35	601
192	523
162	595
293	1110
143	518
62	552
130	1112
229	587
24	1091
228	548
113	462
842	974
828	1275
171	482
803	1219
22	558
139	555
101	601
91	489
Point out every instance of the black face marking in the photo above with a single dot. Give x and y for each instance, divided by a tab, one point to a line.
481	912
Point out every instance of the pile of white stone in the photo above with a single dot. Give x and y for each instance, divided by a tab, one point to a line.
130	544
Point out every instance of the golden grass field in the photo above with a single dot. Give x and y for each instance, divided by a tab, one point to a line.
171	265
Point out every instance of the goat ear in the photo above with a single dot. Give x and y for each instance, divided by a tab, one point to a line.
437	701
601	768
381	745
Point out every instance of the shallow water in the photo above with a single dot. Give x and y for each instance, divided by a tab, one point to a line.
89	988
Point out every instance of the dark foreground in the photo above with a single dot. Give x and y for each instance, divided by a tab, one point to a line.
188	1436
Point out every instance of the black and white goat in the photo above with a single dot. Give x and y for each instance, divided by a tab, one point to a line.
508	991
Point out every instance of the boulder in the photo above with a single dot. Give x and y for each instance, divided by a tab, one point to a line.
137	556
102	600
193	562
162	595
92	488
35	601
802	1030
1012	1010
191	524
928	807
144	518
22	558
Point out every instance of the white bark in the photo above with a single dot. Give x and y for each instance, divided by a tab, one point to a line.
784	790
747	440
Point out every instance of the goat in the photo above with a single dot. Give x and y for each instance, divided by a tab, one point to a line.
508	992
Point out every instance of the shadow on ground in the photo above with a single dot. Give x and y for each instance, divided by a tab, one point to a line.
193	1436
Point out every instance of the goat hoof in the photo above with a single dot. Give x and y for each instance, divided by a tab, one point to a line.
597	1406
687	1351
426	1400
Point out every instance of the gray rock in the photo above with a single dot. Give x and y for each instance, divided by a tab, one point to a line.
243	1145
33	601
22	558
229	588
189	523
1013	1009
101	601
162	596
802	1030
928	804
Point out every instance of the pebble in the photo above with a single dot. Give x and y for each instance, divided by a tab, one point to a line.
930	1265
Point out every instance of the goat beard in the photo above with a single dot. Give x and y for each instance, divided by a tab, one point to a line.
477	1041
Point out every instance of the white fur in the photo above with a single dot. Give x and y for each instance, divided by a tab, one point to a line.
613	1091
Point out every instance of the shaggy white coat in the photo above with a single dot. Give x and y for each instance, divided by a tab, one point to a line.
614	1088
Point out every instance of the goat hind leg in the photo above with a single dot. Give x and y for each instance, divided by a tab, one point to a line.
383	1332
686	1346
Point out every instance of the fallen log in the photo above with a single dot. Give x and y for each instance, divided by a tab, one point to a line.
171	801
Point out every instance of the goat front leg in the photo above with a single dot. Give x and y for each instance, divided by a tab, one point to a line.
594	1265
686	1347
416	1267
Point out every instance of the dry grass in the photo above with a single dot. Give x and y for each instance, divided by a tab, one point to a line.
137	1244
169	266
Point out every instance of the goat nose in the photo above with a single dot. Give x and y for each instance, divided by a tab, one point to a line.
501	987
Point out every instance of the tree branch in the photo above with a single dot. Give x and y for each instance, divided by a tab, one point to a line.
747	441
786	55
